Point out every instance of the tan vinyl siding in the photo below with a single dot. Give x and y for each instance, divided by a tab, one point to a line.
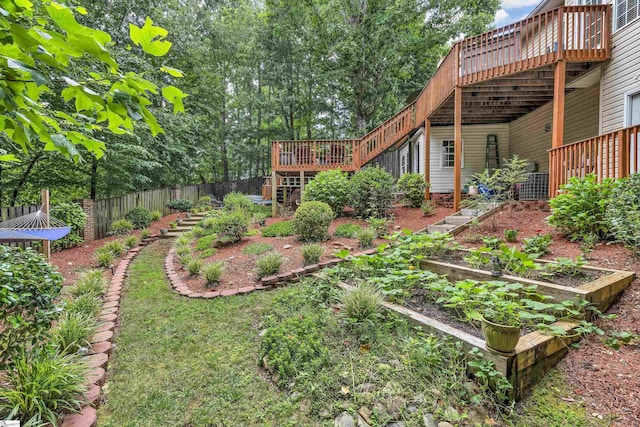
621	75
529	140
474	143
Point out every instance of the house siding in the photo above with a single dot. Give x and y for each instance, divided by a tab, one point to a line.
474	142
529	140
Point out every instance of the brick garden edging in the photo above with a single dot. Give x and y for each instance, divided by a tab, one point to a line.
101	342
266	283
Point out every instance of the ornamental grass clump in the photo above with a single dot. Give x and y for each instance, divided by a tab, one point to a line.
312	253
193	266
361	303
73	332
121	227
104	257
366	237
85	305
269	264
116	247
312	220
212	272
130	241
90	282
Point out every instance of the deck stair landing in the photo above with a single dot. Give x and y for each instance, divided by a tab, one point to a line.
461	220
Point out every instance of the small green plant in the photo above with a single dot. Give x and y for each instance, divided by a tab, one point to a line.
623	214
231	227
312	253
212	272
311	221
361	303
183	250
588	243
537	245
75	217
427	208
199	231
121	227
42	385
116	247
173	224
379	225
565	266
185	259
616	339
234	202
145	233
193	266
72	332
257	248
156	215
84	305
104	257
331	187
90	282
510	235
347	230
139	217
183	240
130	241
269	264
205	242
181	205
413	187
372	192
491	242
279	229
366	237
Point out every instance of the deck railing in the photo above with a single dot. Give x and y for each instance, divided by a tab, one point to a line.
612	155
316	155
572	33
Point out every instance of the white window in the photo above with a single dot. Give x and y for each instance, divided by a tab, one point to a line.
448	153
403	164
625	12
632	109
416	157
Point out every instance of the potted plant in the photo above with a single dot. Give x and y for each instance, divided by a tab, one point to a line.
173	224
501	325
164	232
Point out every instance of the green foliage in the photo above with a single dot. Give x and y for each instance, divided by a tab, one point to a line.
537	245
145	233
75	217
41	385
205	242
193	266
130	241
181	205
347	230
294	345
331	187
312	220
623	213
491	242
104	257
427	208
139	217
72	332
365	238
415	246
116	247
237	202
230	227
312	253
156	215
183	250
379	225
269	264
361	303
121	227
565	266
84	305
213	271
372	192
510	236
256	248
183	240
279	229
29	287
413	187
90	282
581	206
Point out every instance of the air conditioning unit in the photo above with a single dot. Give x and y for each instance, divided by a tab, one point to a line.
536	187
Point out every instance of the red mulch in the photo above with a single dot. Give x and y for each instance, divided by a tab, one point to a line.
606	379
240	268
70	262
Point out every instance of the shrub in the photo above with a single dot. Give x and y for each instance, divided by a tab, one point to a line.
42	385
139	217
366	237
181	205
237	202
537	245
347	230
185	259
361	303
312	253
183	240
29	287
156	215
213	271
379	225
145	233
581	206
510	235
104	257
206	242
279	229
182	250
90	282
413	187
193	266
75	217
199	231
623	215
231	227
85	305
293	346
331	187
130	241
204	202
116	247
312	220
121	227
269	264
372	192
73	332
256	248
427	208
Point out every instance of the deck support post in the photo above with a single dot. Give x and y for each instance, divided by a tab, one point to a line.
274	194
427	158
301	185
457	142
559	80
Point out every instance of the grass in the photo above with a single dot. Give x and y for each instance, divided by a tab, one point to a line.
279	229
256	248
348	230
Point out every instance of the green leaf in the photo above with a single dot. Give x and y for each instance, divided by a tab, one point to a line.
150	38
63	145
8	158
172	71
174	96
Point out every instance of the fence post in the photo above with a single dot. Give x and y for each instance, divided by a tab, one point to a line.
89	232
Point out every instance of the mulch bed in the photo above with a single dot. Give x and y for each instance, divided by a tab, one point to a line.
606	379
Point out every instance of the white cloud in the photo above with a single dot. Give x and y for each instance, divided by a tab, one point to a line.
517	4
502	18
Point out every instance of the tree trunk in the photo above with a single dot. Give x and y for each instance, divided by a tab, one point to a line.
24	177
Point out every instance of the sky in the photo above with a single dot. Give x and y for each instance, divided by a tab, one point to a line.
514	10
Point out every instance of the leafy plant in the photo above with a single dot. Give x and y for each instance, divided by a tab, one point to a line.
257	248
515	262
623	213
156	215
361	303
213	271
279	229
29	287
182	250
42	385
537	245
413	187
618	338
104	257
372	192
312	253
130	241
90	282
73	332
379	225
347	230
511	235
205	242
588	243
183	240
427	208
121	227
84	305
491	242
116	247
181	205
234	202
366	237
231	227
566	266
581	206
139	217
269	264
75	217
145	233
193	266
312	220
331	187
